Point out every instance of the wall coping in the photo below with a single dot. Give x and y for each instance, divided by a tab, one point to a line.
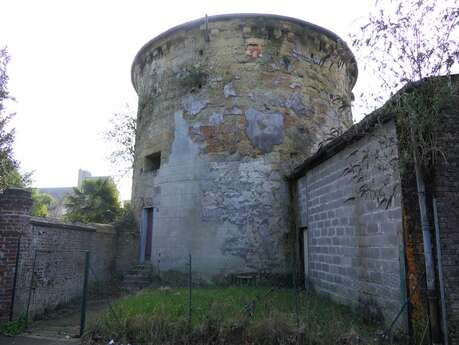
56	223
59	224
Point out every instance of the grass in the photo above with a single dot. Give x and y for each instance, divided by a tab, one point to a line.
228	315
14	327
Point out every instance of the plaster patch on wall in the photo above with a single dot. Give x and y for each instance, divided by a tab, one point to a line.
264	130
229	90
297	104
216	118
194	104
248	202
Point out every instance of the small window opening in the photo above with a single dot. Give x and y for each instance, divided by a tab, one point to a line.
152	162
201	52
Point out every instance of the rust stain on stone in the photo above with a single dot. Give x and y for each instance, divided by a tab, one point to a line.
253	49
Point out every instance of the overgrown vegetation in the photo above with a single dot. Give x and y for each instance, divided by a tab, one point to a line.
192	77
126	219
227	316
14	327
411	45
121	137
9	166
97	201
41	203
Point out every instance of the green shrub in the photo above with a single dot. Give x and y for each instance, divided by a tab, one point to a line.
14	327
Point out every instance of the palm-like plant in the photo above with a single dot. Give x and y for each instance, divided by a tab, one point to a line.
97	201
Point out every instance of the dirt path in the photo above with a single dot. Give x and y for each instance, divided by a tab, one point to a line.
29	340
65	322
60	327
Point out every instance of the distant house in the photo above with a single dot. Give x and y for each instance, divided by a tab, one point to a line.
57	208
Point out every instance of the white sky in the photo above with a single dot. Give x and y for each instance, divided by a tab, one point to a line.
70	69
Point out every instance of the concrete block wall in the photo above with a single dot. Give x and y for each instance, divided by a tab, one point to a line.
354	252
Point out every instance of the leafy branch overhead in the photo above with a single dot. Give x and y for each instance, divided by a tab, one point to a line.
121	135
97	201
411	47
9	166
412	43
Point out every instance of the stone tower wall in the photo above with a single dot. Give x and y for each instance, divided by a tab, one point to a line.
231	106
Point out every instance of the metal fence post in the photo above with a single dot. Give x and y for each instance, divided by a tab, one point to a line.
189	289
295	295
15	278
30	287
85	292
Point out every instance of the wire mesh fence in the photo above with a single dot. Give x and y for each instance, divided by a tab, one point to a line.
46	279
247	308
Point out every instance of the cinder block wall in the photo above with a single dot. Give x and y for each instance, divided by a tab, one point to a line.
354	247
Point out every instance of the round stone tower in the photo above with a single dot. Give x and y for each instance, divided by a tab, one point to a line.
227	106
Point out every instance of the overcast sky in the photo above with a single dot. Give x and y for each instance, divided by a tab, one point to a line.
70	69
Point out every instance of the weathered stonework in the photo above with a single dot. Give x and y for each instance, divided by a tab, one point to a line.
230	116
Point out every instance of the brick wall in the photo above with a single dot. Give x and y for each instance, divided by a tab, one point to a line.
58	251
354	246
15	206
446	190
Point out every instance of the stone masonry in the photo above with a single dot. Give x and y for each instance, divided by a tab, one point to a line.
226	108
15	205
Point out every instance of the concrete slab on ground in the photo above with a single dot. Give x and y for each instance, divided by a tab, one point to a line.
27	340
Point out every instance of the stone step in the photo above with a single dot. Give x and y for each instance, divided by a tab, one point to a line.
144	281
139	277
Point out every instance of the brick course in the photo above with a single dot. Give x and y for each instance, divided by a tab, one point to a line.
446	190
15	205
58	250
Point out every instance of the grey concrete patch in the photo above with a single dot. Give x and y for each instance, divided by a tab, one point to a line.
264	129
194	104
216	118
29	340
297	104
229	90
234	110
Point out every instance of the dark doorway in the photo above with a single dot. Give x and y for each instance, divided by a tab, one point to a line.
149	215
303	254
